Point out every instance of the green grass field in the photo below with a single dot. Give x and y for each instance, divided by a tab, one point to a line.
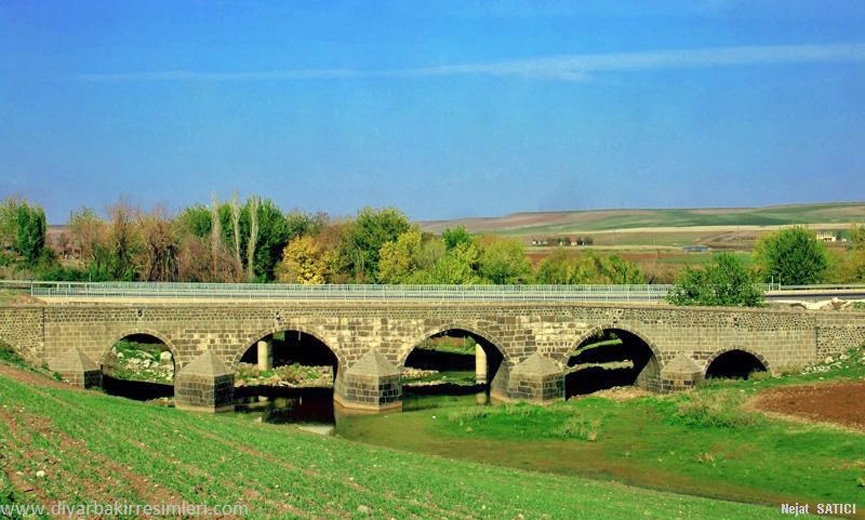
552	223
704	442
98	448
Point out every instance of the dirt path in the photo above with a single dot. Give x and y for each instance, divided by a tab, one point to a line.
834	403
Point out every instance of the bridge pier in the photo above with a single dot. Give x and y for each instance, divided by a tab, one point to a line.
682	373
265	354
77	369
205	385
372	384
480	365
538	379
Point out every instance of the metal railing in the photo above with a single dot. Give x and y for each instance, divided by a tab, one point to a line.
352	292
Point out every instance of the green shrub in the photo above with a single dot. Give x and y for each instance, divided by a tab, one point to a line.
9	356
712	410
580	427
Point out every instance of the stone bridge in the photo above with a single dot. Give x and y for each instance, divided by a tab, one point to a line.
528	344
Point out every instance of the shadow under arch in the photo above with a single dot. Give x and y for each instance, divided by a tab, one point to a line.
251	340
735	363
140	331
151	386
475	332
475	373
618	345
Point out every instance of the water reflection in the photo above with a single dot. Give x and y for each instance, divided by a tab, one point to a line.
137	390
309	408
313	409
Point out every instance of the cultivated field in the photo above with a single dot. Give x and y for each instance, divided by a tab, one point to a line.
91	447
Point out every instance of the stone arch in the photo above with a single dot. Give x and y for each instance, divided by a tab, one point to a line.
250	340
407	348
645	370
566	355
756	355
142	331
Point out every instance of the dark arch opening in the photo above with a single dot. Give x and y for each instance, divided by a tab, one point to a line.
139	367
298	388
453	362
734	364
608	359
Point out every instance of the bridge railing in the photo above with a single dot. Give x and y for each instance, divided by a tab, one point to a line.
347	292
351	292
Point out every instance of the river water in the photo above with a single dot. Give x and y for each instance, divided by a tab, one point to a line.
313	409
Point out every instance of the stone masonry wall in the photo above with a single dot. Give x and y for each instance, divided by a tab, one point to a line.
781	337
21	326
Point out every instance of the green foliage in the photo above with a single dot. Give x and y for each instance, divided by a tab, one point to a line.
458	266
503	261
364	237
710	410
9	356
556	269
792	256
724	281
563	267
196	220
273	235
857	238
399	260
31	232
456	236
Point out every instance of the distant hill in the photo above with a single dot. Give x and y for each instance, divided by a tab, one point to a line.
599	221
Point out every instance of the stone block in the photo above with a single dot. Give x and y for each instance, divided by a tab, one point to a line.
371	384
538	379
205	384
77	369
682	373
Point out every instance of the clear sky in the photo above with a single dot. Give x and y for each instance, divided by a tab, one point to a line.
441	108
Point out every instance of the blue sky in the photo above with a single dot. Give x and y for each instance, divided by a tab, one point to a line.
443	109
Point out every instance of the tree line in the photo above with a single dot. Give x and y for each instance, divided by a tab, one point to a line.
791	256
255	241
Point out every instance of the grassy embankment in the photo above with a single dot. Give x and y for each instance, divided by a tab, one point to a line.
98	448
707	442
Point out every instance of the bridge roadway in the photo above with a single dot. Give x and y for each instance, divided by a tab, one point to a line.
527	335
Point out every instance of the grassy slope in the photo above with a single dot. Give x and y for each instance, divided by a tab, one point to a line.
575	221
702	442
95	447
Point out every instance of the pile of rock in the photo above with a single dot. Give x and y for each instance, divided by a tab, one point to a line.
291	376
144	366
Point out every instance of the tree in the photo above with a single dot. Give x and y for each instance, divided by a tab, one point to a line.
455	237
857	238
503	261
252	242
124	243
399	260
32	229
617	270
304	262
195	220
235	226
792	256
161	247
272	237
724	281
9	222
458	266
556	269
364	238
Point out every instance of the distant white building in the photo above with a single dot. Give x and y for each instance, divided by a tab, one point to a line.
826	236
